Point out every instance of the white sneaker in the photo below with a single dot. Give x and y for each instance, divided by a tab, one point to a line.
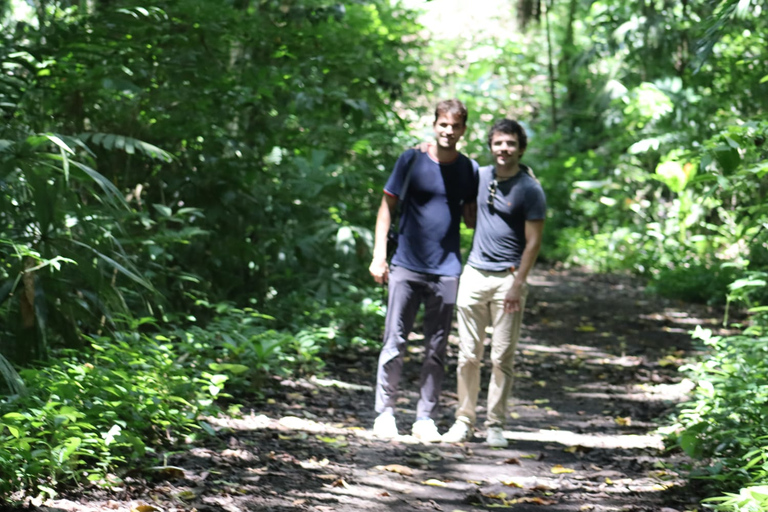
495	438
426	431
460	431
385	426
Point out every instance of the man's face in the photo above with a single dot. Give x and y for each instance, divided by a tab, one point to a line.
505	149
448	130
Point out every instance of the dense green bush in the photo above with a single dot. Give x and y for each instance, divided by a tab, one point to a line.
725	424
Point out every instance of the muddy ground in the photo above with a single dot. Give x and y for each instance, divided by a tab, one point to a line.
596	376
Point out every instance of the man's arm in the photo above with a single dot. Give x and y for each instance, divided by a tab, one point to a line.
379	268
470	215
533	232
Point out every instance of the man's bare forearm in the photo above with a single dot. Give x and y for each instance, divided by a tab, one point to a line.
533	234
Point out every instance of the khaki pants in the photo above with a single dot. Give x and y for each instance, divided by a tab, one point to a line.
480	302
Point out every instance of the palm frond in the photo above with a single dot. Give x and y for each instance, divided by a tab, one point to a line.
11	377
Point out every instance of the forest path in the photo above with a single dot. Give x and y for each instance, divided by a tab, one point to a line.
596	372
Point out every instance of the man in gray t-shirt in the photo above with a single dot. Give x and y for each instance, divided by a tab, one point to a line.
511	208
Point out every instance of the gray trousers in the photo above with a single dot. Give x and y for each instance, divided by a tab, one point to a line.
407	290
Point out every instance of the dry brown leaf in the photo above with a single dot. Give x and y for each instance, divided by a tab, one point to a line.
383	494
514	461
166	472
340	483
396	468
536	500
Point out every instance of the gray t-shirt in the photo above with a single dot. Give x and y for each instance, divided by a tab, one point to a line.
499	239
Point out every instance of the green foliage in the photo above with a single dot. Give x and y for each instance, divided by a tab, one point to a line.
88	411
724	424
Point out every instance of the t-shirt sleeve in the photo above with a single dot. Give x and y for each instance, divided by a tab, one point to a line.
396	180
536	203
471	196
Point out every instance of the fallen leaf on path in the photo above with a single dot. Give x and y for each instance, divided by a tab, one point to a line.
397	468
513	460
577	448
146	508
509	482
541	401
340	483
559	469
475	482
585	328
529	456
497	495
536	500
429	456
383	494
514	416
624	422
328	477
435	482
314	463
167	472
186	495
541	383
608	481
299	502
339	441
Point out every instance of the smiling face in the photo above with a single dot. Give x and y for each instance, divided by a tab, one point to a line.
506	150
449	128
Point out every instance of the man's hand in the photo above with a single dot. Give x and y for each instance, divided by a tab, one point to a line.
512	299
423	147
379	270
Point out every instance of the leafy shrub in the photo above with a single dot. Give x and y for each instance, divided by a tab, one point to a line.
87	412
725	425
695	282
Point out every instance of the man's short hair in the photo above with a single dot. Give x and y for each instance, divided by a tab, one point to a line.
509	127
454	107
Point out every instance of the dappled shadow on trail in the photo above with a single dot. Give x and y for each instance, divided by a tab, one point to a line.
596	372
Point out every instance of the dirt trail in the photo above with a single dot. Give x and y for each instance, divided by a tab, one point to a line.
596	371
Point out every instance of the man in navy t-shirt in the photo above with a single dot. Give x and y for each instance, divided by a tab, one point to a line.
441	187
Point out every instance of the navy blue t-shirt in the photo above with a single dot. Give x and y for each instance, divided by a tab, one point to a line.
431	213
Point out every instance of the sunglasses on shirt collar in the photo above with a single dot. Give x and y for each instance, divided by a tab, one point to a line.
492	186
